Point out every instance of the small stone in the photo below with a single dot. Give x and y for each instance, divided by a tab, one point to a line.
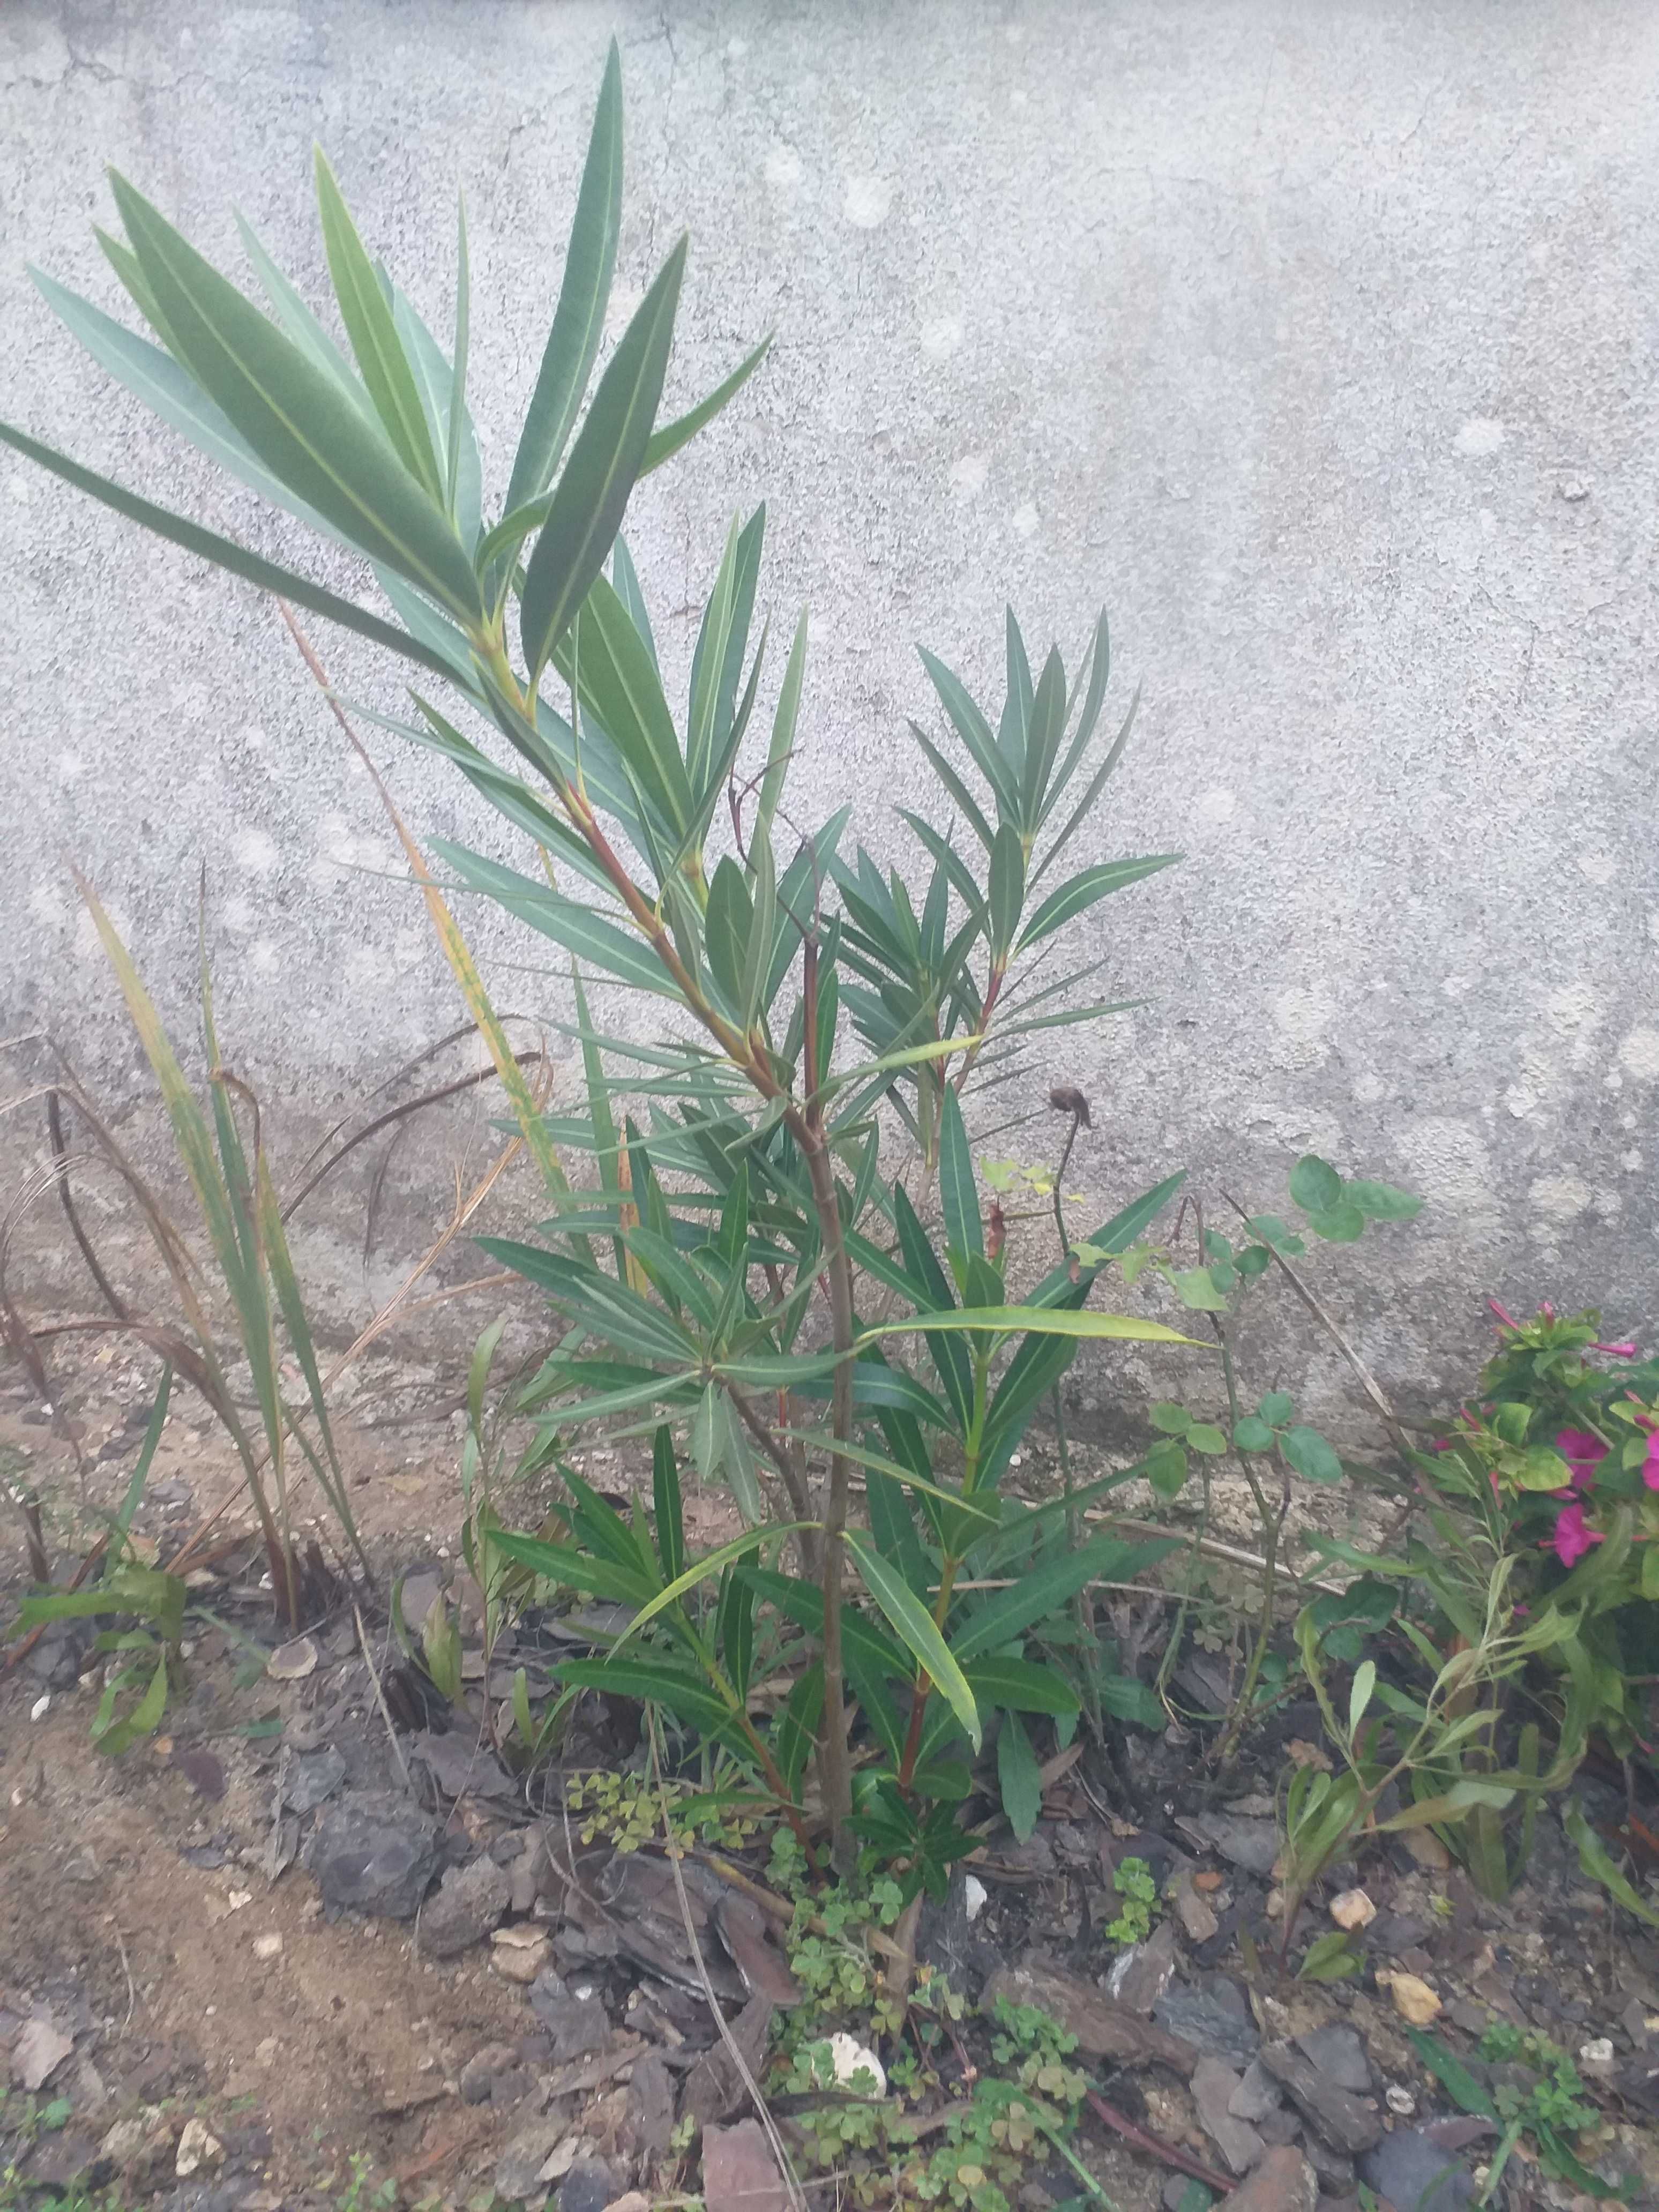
1399	2100
1283	2182
973	1894
519	2169
651	2106
197	2148
1243	1840
372	1855
1339	2116
1213	2017
1333	2168
739	2173
1414	2000
293	1661
138	2144
1597	2055
1353	1910
1257	2094
588	2187
1140	1975
264	2052
477	2079
520	1952
470	1899
1473	2019
1340	2056
1198	1920
41	1707
268	1947
1415	2173
37	2054
851	2058
1214	2087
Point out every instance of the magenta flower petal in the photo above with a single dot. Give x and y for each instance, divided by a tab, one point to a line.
1572	1539
1583	1453
1651	1464
1616	1350
1508	1319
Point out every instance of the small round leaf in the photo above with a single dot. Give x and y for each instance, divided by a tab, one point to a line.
1253	1435
1254	1260
1315	1185
1277	1407
1166	1467
1382	1202
1310	1455
1339	1224
1173	1420
1204	1438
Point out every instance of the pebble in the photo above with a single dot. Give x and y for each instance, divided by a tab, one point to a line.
1354	1910
37	2054
1257	2094
1340	2056
1198	1921
1399	2100
1214	2016
589	2186
268	1947
1214	2086
519	2169
469	1901
1284	2182
1346	2123
197	2148
520	1952
1414	2000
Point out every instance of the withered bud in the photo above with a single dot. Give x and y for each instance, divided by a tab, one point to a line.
1066	1098
997	1233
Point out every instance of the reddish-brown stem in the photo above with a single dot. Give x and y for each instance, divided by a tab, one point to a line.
1183	2161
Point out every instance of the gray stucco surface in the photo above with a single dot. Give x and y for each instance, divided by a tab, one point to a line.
1314	340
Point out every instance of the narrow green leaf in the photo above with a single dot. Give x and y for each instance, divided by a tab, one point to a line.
1097	783
914	1625
783	730
625	582
366	314
157	1422
666	442
297	418
1019	1777
712	1563
1007	888
992	1622
225	553
589	936
665	1492
1020	1686
1037	1320
975	732
1080	893
958	1190
572	341
593	493
618	681
1046	728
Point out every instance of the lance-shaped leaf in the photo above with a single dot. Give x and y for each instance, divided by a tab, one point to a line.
573	342
590	935
666	442
225	553
958	1192
1082	892
915	1628
295	416
367	313
593	494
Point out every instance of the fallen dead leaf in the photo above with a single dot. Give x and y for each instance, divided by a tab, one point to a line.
1414	2000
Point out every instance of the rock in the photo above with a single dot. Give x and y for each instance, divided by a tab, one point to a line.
651	2106
1339	2116
1340	2056
293	1661
1399	2100
851	2058
1256	2095
1284	2182
1473	2019
138	2144
1283	2126
1214	2085
1139	1977
374	1855
477	2079
531	1873
1415	2173
311	1776
1352	1911
519	2169
196	2148
269	1946
1414	2000
589	2186
547	1992
742	1927
739	2173
715	2088
1103	2029
1241	1840
1333	2168
1214	2016
469	1901
946	1938
37	2052
1198	1921
520	1952
577	2026
1596	2056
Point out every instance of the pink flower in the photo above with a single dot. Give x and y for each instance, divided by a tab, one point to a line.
1572	1539
1616	1350
1651	1464
1583	1453
1508	1319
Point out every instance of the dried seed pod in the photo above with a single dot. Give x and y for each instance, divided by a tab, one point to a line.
1066	1098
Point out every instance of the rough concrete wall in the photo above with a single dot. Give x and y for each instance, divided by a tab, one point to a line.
1316	340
